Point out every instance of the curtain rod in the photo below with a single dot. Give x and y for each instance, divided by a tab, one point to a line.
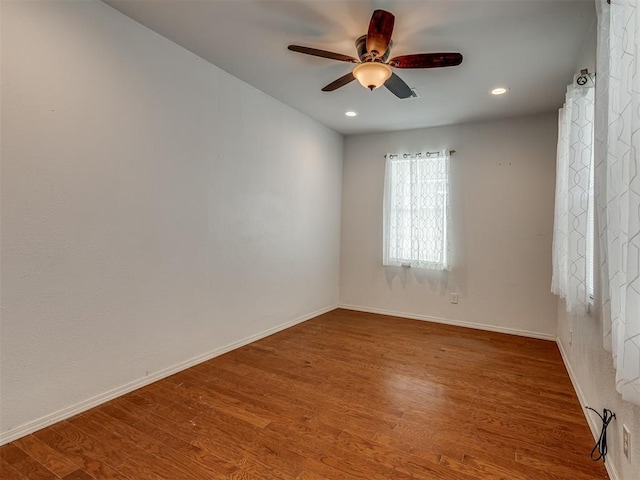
418	154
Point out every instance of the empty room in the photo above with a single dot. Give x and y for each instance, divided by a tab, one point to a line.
304	239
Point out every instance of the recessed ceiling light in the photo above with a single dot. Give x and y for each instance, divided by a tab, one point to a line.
351	113
499	90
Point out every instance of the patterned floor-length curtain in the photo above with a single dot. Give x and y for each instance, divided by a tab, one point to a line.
618	187
573	167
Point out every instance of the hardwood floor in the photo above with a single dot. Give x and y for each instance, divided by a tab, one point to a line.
343	396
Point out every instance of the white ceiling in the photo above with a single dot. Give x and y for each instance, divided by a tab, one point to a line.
531	46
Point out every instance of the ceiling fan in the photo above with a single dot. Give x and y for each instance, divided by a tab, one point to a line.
373	67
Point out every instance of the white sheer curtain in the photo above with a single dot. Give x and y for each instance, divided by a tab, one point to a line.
618	187
572	208
416	207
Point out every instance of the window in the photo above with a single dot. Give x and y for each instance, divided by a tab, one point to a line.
416	206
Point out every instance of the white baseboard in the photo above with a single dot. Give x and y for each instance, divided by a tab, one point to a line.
447	321
85	405
595	427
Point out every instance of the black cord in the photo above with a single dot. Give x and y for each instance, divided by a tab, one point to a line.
601	444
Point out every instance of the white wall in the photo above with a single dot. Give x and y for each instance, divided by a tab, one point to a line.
591	366
155	210
502	193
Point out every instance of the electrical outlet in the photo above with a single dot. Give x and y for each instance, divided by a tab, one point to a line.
626	442
454	297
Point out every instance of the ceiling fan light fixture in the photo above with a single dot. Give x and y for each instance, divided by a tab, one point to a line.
372	75
499	91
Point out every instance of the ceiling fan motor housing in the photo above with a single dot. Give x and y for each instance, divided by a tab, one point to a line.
363	54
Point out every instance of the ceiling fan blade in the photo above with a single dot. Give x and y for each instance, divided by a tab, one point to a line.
379	34
426	60
398	87
322	53
341	82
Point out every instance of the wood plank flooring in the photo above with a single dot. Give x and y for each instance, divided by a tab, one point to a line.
343	396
